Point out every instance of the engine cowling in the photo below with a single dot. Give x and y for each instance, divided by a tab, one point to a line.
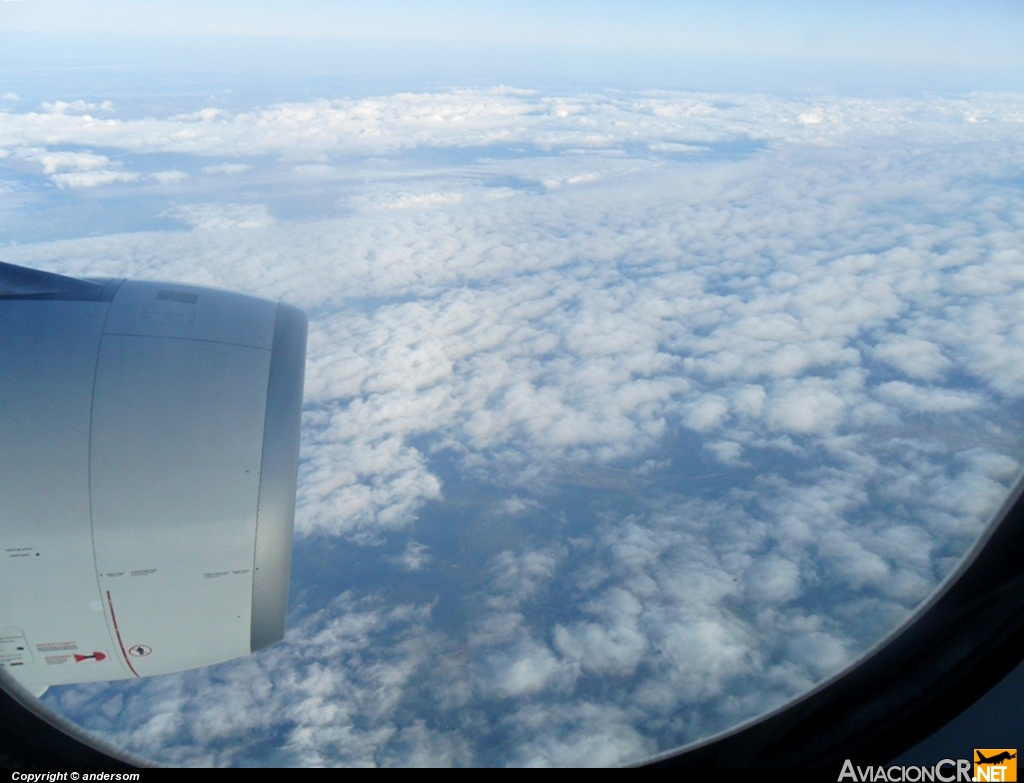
149	438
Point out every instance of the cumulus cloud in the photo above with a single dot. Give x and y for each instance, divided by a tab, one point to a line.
410	200
217	216
77	107
326	711
52	162
169	177
76	169
805	407
916	358
93	179
227	168
500	115
923	399
628	416
415	557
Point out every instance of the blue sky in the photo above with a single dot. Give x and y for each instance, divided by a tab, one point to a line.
984	33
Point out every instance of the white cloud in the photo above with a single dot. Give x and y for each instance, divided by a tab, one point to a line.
485	117
169	177
706	413
669	146
227	168
728	452
415	557
418	200
527	668
923	399
773	580
53	162
659	448
251	699
76	169
214	217
578	735
812	117
805	407
616	646
93	179
78	106
915	357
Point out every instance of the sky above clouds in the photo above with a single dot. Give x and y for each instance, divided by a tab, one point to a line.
949	31
630	414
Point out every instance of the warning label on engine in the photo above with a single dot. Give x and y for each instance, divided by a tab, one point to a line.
14	649
56	646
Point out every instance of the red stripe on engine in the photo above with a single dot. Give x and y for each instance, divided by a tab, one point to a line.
117	631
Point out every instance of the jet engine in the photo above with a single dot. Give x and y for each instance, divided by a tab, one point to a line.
149	437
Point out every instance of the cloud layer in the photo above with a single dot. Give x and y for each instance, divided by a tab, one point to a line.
628	416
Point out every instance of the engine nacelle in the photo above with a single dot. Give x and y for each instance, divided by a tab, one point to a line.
149	437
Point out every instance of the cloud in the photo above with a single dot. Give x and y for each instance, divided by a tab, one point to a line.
169	177
93	179
79	106
76	169
916	358
921	399
628	416
526	668
727	452
616	646
805	407
578	735
500	115
707	413
324	712
52	162
214	217
227	168
415	557
414	200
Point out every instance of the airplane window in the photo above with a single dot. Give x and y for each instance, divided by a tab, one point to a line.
653	376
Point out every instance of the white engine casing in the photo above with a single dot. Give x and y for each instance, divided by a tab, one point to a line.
148	454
